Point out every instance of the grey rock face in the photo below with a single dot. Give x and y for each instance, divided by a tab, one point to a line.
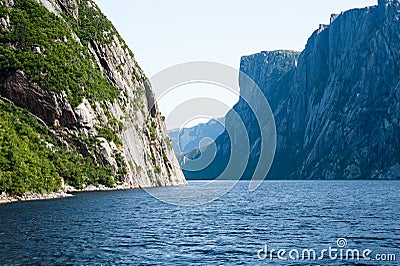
4	23
51	107
342	106
337	105
86	116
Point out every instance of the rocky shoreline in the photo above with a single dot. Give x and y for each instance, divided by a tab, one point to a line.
5	198
64	193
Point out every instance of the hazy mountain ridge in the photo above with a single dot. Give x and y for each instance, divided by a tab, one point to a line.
186	139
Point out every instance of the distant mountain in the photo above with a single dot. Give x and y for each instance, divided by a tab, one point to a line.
336	105
187	139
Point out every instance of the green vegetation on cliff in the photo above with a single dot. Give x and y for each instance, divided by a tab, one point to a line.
41	44
31	161
61	47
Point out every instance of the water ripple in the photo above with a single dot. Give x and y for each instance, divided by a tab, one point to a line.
131	227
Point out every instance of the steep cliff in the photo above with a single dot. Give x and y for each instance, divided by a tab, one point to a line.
272	70
65	63
336	106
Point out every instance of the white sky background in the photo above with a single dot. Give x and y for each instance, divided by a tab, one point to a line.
162	33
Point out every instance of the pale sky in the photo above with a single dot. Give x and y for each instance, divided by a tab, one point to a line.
162	33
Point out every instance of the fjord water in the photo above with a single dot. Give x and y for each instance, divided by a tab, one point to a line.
132	227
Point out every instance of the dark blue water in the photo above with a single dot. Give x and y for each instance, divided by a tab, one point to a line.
131	227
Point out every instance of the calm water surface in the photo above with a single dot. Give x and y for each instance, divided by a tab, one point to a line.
131	227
